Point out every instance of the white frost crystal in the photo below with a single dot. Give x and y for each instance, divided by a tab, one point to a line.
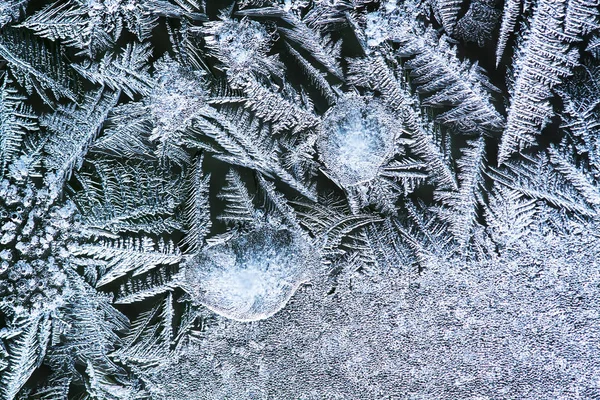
176	98
253	275
241	47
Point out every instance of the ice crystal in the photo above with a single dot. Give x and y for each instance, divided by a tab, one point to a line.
174	100
240	46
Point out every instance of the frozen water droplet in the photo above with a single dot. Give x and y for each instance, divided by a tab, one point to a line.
358	139
253	275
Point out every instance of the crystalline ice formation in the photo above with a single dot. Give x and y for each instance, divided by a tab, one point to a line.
357	140
253	275
377	29
241	47
177	96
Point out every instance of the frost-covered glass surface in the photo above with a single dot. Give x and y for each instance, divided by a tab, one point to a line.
291	199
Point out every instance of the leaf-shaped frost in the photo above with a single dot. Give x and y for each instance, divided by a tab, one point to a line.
317	78
126	71
178	96
126	198
130	255
331	221
69	23
245	141
150	284
73	130
196	211
321	48
89	333
239	206
510	216
278	202
92	26
448	10
510	14
276	108
35	65
575	176
182	9
25	353
536	179
16	120
581	18
462	204
436	70
479	23
149	340
544	60
581	113
127	131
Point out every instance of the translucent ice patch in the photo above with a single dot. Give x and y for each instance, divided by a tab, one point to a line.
253	275
357	139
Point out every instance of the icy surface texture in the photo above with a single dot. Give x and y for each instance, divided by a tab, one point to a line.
522	326
292	199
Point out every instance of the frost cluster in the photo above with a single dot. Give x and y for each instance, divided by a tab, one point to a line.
110	14
377	30
33	248
177	96
9	10
240	46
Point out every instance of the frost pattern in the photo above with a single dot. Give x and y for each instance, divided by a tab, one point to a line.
276	199
32	259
